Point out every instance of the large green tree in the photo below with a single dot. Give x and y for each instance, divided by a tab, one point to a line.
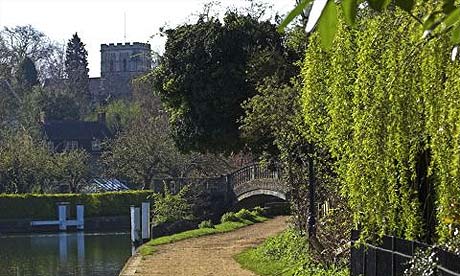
76	69
24	163
389	118
26	75
208	69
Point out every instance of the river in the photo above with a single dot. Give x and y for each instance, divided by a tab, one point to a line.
64	254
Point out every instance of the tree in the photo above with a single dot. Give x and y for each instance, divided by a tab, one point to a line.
72	169
144	152
120	114
144	149
76	69
24	164
20	42
389	118
57	104
26	75
443	18
19	48
204	81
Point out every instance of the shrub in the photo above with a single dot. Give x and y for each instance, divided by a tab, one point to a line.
169	207
245	214
206	224
258	211
43	206
229	217
288	254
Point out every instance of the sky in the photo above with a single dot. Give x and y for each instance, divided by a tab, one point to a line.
103	21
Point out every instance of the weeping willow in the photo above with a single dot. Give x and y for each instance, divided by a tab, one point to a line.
387	106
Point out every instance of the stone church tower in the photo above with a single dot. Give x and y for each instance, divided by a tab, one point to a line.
120	63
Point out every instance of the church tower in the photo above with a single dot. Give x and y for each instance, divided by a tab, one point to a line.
120	63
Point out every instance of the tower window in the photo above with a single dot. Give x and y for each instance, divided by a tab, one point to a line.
124	65
111	65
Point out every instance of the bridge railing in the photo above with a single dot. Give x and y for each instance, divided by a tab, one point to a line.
239	181
252	172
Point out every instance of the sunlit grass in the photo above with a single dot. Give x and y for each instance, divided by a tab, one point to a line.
286	254
149	247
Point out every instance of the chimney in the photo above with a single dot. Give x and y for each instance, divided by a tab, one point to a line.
101	118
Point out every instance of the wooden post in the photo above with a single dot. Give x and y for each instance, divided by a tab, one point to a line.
135	224
80	217
145	221
62	214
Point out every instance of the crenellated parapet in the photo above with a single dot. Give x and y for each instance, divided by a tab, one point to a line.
125	46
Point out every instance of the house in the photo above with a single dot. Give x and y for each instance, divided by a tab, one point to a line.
62	135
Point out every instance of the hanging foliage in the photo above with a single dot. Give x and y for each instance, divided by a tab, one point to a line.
387	107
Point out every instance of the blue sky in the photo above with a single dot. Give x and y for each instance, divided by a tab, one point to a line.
102	21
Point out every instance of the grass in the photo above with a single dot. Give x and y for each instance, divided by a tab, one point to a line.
149	247
285	254
250	259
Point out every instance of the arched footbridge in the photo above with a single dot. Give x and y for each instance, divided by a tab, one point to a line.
246	182
254	180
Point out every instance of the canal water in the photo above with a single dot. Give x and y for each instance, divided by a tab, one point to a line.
64	254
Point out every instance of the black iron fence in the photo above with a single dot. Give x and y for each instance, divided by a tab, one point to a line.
391	258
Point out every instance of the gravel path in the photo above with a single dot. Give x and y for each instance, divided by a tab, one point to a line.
205	256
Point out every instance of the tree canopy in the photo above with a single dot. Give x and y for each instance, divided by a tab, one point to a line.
389	117
76	69
323	15
208	69
26	74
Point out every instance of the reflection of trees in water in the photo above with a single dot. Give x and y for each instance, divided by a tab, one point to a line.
64	254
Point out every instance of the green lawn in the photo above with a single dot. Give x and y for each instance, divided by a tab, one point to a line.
149	247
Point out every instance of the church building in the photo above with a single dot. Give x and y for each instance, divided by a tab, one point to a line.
120	64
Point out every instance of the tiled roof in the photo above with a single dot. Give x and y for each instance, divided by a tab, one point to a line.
75	130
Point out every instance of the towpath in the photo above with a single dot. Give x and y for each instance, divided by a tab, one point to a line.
204	256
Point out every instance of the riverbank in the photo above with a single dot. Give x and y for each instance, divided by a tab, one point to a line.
206	255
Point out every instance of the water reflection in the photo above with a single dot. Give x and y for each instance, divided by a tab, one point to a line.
64	254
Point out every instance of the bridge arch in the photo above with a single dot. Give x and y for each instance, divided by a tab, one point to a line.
257	181
257	192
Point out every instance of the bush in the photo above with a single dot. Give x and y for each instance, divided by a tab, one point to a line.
258	211
169	207
229	217
288	254
245	214
206	224
43	206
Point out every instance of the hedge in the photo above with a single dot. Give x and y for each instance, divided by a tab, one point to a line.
44	206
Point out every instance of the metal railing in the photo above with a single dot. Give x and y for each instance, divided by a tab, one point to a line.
392	256
239	181
252	172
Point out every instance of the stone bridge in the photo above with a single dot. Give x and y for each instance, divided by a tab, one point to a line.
244	183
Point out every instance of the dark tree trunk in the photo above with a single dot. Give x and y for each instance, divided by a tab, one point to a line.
426	194
311	227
